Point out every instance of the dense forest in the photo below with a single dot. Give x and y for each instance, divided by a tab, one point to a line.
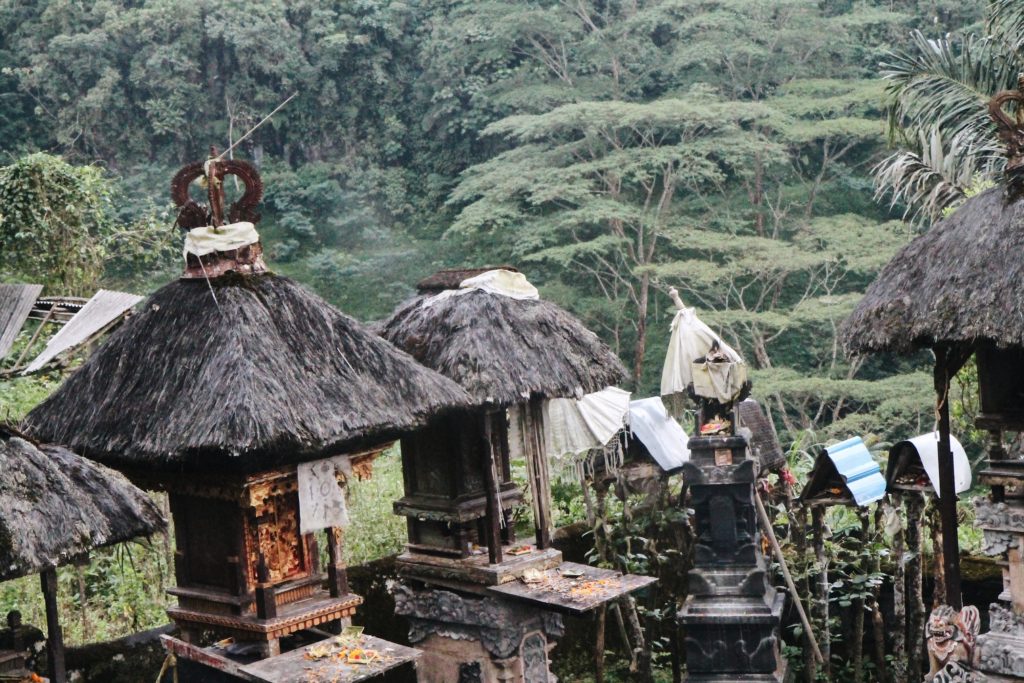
764	157
608	149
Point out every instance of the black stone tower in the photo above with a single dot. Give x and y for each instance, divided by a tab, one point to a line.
732	616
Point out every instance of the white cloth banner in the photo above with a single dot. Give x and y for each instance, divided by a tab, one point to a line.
321	497
501	282
691	340
575	426
206	240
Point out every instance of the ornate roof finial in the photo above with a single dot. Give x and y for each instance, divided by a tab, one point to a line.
191	214
214	246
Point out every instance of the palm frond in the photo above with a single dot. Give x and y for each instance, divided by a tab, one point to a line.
1006	19
934	175
945	85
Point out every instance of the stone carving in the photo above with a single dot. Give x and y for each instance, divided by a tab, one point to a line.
998	516
535	659
732	615
498	625
951	636
997	543
1002	620
956	673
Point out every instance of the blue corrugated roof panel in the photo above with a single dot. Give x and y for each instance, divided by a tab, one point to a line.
858	469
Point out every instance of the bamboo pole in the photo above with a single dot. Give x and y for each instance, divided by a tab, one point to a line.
766	524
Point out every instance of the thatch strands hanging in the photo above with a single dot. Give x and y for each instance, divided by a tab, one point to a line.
502	350
56	506
255	373
960	282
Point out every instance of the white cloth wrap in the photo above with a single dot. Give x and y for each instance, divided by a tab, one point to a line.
208	239
321	496
502	282
691	339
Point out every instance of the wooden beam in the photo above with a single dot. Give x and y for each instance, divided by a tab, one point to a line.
537	466
493	520
54	634
947	501
337	576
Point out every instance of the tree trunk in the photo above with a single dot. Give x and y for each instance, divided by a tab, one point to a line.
857	645
899	631
641	330
821	599
915	597
938	560
877	620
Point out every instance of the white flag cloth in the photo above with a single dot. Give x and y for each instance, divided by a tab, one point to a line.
206	240
498	281
574	426
321	497
691	340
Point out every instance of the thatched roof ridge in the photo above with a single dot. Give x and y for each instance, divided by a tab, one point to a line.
266	373
960	282
56	506
451	278
503	350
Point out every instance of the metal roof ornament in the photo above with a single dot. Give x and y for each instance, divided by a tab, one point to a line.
192	214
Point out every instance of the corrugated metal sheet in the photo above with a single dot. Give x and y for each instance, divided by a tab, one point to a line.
16	303
858	469
664	439
102	309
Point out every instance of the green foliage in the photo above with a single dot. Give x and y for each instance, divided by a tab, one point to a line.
53	221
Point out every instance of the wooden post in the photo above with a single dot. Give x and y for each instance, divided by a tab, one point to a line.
54	634
493	522
537	466
266	601
947	501
899	600
337	576
821	559
602	616
915	599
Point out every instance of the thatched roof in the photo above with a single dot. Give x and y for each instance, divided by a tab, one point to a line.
264	374
960	282
56	506
503	350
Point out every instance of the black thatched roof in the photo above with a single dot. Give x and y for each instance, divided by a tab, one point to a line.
960	282
266	374
503	350
56	506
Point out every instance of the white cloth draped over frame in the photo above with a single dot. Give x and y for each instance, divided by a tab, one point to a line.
691	340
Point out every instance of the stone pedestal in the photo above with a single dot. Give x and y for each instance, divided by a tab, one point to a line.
732	615
472	639
1001	650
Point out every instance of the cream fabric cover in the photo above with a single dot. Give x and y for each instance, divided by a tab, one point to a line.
321	496
691	339
206	240
498	281
574	426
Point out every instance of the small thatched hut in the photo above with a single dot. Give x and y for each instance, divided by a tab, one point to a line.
55	507
488	330
959	283
238	373
958	289
246	398
502	350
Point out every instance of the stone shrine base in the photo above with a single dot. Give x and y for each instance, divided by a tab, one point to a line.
470	639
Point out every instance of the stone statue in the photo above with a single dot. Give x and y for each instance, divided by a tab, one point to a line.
951	636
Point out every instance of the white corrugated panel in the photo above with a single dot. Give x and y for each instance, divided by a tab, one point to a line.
102	309
16	303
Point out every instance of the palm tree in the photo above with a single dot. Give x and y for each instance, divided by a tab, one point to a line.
938	91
